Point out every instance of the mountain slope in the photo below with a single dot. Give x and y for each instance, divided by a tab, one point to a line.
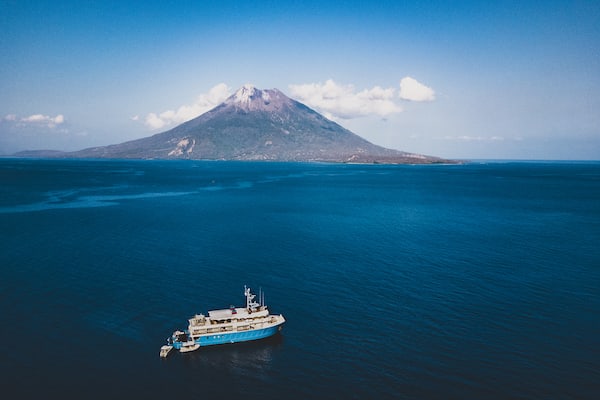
257	124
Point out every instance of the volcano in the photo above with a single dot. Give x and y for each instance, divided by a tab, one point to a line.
255	124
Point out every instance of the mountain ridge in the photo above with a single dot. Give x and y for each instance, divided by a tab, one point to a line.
257	125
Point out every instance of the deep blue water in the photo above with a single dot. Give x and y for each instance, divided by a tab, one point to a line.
458	281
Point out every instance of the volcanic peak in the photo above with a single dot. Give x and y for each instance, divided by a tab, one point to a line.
249	93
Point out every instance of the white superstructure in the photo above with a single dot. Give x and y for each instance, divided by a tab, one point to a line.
229	325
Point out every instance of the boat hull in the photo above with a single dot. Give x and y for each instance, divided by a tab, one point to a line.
234	337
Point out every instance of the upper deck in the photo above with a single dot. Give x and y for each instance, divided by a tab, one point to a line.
237	313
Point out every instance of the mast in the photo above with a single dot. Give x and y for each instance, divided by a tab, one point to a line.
247	294
250	303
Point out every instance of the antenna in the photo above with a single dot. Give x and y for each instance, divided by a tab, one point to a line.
262	297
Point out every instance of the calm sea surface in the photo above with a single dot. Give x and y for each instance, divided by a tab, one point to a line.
464	281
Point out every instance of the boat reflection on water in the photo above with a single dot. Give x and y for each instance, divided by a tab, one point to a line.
246	358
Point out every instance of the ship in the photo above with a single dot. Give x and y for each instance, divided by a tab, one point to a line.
229	325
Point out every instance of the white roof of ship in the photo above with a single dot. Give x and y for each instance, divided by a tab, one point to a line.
226	313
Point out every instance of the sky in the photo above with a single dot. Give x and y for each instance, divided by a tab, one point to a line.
463	79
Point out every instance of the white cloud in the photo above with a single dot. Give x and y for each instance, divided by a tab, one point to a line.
342	101
36	120
413	90
203	103
153	121
331	99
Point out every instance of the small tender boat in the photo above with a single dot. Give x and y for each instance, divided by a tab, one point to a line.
164	350
189	346
229	325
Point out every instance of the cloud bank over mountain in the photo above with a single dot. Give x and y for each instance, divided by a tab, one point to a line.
204	102
332	99
343	101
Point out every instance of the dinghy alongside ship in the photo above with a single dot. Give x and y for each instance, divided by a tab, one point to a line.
230	325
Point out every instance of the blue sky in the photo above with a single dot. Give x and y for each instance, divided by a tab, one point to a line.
505	79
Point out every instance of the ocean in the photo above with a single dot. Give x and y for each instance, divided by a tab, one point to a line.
467	281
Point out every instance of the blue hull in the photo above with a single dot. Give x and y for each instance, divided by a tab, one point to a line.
234	337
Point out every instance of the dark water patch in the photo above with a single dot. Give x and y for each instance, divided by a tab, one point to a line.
470	281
